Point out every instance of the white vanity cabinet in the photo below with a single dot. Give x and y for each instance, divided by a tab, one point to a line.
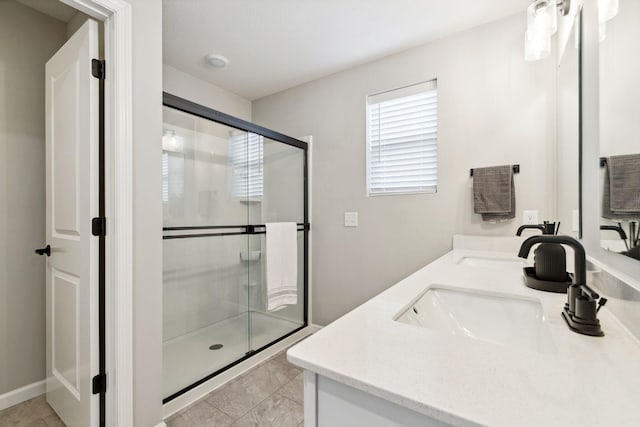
328	403
371	369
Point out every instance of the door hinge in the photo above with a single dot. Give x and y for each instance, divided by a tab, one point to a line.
98	68
99	383
99	226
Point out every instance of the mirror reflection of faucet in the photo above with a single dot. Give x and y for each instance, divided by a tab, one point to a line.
583	303
631	241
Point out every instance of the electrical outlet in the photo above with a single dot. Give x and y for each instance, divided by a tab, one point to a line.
351	219
530	217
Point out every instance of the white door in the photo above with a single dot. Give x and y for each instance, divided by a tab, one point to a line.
72	201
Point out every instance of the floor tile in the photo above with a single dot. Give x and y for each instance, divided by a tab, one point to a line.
275	411
201	414
270	394
32	413
37	423
294	389
54	421
242	394
178	421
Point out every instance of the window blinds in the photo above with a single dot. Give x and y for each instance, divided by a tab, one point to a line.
165	176
172	176
246	157
402	140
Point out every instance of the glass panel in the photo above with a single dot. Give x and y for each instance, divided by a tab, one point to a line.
204	179
215	177
205	313
268	326
204	305
282	201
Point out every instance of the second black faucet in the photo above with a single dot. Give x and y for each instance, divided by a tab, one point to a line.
582	306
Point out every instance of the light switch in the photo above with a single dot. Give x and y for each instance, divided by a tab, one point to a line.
351	219
575	220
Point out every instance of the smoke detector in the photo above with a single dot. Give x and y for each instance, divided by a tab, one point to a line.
216	60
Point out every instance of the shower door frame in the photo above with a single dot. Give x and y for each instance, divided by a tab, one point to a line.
189	107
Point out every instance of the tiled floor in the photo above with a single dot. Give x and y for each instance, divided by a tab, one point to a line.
271	394
32	413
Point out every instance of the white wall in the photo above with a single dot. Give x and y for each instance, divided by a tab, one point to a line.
186	86
27	40
76	22
494	109
147	211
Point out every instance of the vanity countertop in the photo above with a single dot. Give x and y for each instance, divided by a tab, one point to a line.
586	381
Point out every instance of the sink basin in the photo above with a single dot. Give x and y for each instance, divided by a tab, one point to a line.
479	315
491	262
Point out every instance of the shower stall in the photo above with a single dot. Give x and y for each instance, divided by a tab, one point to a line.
222	179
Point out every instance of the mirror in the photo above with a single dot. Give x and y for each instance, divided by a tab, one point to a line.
568	133
620	129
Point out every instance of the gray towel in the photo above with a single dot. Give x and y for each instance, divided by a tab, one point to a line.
621	187
494	193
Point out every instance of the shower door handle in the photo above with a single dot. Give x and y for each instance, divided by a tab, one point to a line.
44	251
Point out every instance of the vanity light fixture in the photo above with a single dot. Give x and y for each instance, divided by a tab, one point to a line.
542	23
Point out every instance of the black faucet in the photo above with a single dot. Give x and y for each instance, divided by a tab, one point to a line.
546	228
524	227
580	311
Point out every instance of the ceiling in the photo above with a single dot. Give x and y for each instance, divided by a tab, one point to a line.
53	8
273	45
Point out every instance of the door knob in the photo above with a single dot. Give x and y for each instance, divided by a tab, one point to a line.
44	251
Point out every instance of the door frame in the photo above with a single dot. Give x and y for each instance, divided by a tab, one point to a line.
118	97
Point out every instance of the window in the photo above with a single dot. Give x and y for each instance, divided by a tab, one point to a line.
402	140
246	155
172	166
165	177
172	176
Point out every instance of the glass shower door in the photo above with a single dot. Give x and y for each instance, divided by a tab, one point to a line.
278	173
222	180
205	249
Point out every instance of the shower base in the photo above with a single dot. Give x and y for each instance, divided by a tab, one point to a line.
188	358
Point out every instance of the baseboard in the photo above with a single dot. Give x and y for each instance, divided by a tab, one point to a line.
22	394
315	328
161	424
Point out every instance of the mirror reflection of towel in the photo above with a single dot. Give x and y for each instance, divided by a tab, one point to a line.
621	187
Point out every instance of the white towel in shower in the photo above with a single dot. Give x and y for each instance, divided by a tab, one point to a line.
282	264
